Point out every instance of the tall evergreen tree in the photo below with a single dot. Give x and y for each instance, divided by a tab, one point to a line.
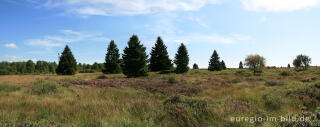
135	58
159	60
67	63
214	63
112	62
30	66
182	59
289	66
223	65
240	65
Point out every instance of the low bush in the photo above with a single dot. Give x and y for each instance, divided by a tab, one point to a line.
272	102
172	80
236	80
274	83
9	88
102	77
187	112
243	72
44	87
286	73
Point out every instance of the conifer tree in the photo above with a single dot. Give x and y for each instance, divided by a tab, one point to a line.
135	58
30	66
112	62
289	66
67	63
240	65
195	66
159	60
214	63
223	65
182	59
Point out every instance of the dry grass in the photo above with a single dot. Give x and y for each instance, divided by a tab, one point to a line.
204	98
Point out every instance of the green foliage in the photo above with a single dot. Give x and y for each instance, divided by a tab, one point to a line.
30	66
159	60
172	80
240	65
135	58
102	77
67	63
243	72
182	59
289	66
223	65
302	61
286	73
272	102
187	112
255	63
41	87
112	60
214	63
274	83
8	88
195	66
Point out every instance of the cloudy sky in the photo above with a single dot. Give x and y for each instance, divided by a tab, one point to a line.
277	29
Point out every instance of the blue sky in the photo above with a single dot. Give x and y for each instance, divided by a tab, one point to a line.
276	29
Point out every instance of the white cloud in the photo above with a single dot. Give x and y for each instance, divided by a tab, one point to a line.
209	38
12	58
42	42
198	20
11	45
278	5
126	7
50	41
241	37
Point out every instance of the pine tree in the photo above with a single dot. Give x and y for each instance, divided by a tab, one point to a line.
182	59
195	66
214	63
112	62
67	63
289	66
30	67
159	60
135	58
223	65
240	65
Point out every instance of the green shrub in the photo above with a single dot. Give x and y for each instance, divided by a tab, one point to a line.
44	87
243	72
274	83
187	112
285	73
271	102
102	77
172	80
236	80
9	88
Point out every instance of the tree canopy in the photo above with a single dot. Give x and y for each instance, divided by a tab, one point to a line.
135	58
67	63
182	59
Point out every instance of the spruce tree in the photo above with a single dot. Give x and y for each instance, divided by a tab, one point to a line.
67	63
182	59
289	66
159	60
223	65
195	66
214	63
112	62
240	65
135	58
30	66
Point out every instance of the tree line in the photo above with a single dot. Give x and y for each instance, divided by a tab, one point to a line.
135	62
